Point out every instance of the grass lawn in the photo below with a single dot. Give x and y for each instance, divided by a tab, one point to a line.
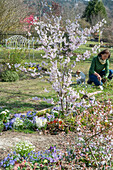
17	96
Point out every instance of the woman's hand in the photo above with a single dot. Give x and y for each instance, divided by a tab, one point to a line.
98	76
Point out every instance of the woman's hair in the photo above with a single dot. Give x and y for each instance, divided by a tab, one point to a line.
106	51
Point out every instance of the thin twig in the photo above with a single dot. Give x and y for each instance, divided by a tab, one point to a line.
97	134
93	155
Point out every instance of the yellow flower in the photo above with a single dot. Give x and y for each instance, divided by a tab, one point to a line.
45	161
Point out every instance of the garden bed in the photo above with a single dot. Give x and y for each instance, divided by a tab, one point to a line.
63	150
8	139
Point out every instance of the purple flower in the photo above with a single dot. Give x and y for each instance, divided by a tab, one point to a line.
50	159
39	68
37	65
17	115
51	148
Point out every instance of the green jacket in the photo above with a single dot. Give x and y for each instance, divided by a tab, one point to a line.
96	66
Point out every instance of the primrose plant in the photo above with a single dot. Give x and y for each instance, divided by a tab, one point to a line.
40	122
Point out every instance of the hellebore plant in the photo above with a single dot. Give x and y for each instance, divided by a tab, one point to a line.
5	115
18	123
24	147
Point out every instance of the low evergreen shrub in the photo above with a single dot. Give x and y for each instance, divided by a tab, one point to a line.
9	76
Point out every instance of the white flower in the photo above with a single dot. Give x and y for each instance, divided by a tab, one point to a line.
18	122
17	65
101	87
103	162
81	139
33	74
36	98
111	111
3	112
111	141
6	110
78	129
40	121
29	33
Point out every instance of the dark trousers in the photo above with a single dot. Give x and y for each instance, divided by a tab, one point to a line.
95	80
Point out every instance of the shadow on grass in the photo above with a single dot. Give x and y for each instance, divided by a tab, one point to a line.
19	94
19	106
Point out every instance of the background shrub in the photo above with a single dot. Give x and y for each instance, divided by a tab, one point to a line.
9	76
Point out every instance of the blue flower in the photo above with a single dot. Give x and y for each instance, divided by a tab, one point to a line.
34	114
15	159
29	112
11	157
5	159
12	121
11	162
4	165
1	163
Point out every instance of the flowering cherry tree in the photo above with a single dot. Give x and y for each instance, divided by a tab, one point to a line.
58	44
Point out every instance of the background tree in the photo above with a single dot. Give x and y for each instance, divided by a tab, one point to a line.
11	11
95	11
56	8
72	9
39	6
107	35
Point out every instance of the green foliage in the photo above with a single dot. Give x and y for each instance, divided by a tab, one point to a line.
1	126
28	124
95	9
13	57
10	76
